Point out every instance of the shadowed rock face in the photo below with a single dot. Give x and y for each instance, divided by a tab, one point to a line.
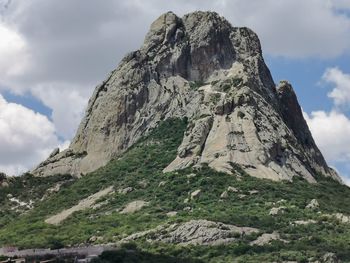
202	68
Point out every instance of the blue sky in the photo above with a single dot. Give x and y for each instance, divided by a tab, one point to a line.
53	54
306	75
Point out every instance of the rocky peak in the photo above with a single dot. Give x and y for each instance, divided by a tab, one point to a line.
197	44
200	67
292	113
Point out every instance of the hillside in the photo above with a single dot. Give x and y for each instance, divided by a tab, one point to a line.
304	233
188	152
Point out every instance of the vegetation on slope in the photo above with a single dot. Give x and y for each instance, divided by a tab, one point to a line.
141	168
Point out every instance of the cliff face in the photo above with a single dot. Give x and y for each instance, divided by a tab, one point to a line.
202	68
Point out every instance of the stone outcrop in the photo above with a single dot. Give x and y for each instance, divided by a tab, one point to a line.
134	206
195	232
312	205
83	204
203	232
267	238
277	210
200	67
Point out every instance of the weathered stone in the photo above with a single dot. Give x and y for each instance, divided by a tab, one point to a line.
224	195
312	205
134	206
191	175
171	213
162	183
143	184
280	201
51	190
195	194
232	189
277	210
304	222
200	67
203	232
330	258
83	204
342	218
54	152
266	238
125	190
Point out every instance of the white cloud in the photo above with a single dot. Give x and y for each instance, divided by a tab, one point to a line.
341	81
347	181
26	137
67	104
331	132
13	52
294	28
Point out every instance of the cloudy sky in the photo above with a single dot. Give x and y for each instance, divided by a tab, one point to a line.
54	52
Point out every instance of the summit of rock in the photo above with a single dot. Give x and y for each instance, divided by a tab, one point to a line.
200	67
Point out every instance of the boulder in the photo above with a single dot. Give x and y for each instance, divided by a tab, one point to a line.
171	213
342	218
203	232
330	258
195	194
312	205
266	238
125	190
134	206
277	210
224	195
232	189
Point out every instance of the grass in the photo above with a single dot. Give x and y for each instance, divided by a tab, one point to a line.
145	162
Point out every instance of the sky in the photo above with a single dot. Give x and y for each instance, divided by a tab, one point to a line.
54	52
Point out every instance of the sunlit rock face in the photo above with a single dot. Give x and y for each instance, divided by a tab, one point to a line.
202	68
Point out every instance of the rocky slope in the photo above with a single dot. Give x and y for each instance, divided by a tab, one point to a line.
197	214
202	68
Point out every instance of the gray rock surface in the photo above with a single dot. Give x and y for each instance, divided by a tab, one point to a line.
277	210
304	222
224	195
267	238
125	190
171	213
312	205
203	232
134	206
83	204
195	232
330	258
342	218
232	189
195	194
200	67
